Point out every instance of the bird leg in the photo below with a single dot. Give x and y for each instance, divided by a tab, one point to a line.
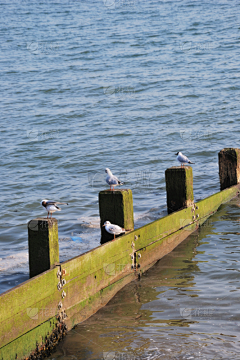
47	215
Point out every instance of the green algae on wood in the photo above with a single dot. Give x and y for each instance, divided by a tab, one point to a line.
229	167
24	345
28	305
117	207
93	278
43	245
179	186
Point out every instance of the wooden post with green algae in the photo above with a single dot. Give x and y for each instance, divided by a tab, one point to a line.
117	207
179	186
43	245
229	167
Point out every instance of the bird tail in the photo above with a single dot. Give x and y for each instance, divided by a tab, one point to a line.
190	162
121	183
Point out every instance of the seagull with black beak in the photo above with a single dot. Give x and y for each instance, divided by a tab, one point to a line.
113	229
51	206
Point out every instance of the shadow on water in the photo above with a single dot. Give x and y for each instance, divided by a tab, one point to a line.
184	307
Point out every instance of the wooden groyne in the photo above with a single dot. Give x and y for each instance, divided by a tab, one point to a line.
35	315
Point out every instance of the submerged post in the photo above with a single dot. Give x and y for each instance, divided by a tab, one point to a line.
117	207
42	245
229	167
179	186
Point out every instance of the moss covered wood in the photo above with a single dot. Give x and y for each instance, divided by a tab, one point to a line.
28	305
229	167
43	245
24	345
94	277
179	186
116	207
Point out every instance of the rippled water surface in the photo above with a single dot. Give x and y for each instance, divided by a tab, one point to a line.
122	84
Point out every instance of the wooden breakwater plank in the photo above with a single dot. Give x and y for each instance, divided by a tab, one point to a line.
208	206
149	250
83	310
19	307
81	271
88	274
22	346
150	254
161	228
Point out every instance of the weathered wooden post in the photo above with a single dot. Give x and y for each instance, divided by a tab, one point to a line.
117	207
179	186
229	167
42	245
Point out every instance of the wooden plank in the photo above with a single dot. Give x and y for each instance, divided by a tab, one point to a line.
28	305
94	277
208	206
87	274
149	255
163	227
189	219
94	271
84	309
22	346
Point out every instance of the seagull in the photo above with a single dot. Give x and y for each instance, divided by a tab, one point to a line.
113	229
51	206
112	180
183	159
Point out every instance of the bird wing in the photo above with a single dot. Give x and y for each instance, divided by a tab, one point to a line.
117	181
111	228
49	202
52	207
183	158
117	229
112	180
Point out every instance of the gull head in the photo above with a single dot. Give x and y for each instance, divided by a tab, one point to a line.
43	202
107	223
108	171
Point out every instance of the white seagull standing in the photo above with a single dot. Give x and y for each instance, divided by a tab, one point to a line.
113	229
112	180
183	159
51	206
